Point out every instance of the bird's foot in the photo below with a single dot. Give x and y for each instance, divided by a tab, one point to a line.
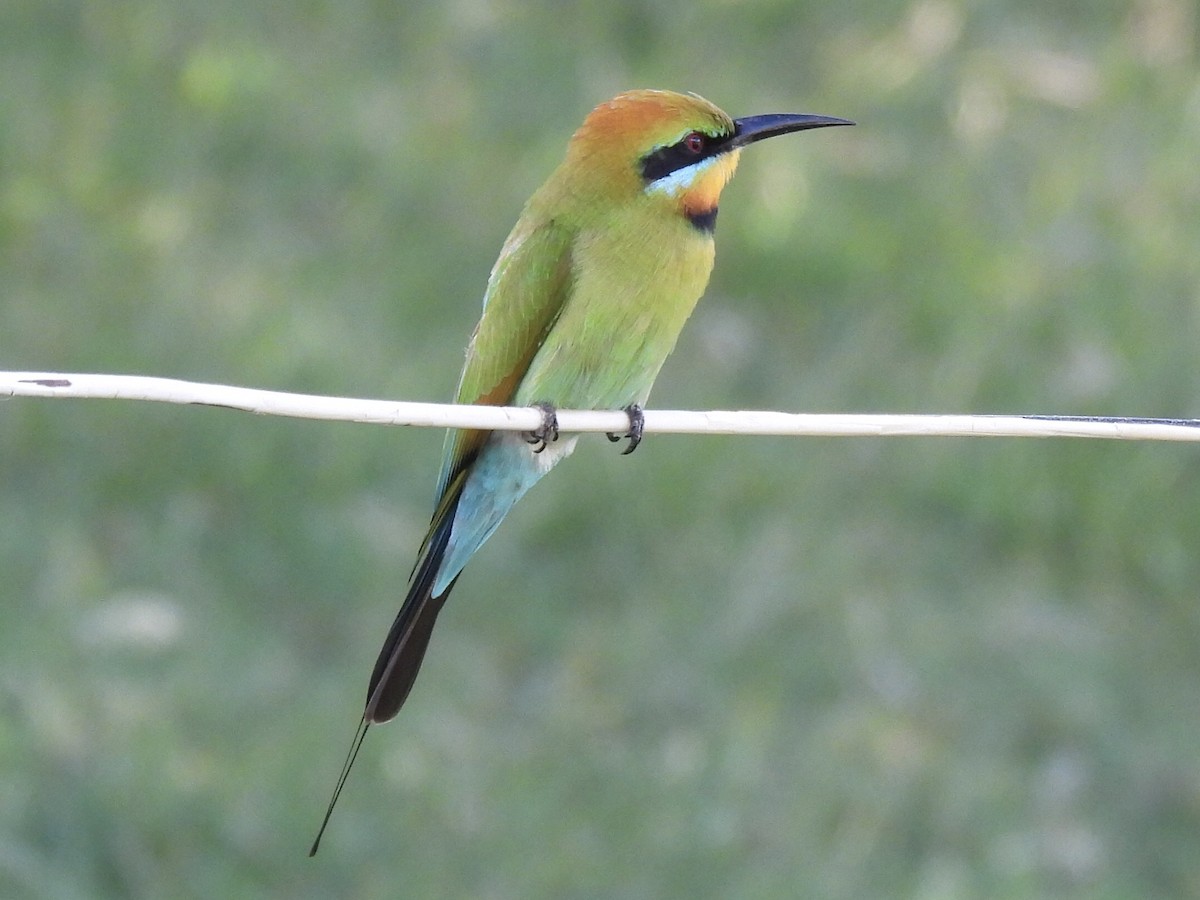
636	422
547	431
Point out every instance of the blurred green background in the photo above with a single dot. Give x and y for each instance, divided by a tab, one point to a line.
724	667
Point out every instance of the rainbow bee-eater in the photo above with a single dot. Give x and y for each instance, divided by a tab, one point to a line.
582	308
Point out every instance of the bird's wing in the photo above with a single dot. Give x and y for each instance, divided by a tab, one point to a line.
526	292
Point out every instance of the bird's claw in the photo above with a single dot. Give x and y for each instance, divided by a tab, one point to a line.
545	433
637	422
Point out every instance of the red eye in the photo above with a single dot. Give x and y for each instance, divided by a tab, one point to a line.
694	142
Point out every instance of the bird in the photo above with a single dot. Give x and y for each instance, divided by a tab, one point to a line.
584	304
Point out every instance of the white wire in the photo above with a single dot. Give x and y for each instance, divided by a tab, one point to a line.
503	418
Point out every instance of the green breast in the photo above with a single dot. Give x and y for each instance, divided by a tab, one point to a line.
635	281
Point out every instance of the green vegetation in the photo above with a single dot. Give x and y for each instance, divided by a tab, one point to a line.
724	667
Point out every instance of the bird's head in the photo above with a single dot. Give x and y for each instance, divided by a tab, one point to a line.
678	148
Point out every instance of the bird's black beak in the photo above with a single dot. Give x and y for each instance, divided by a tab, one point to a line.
756	128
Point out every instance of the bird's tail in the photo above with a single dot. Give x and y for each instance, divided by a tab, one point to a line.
404	648
400	659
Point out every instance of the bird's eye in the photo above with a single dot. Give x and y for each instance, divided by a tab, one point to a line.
694	142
